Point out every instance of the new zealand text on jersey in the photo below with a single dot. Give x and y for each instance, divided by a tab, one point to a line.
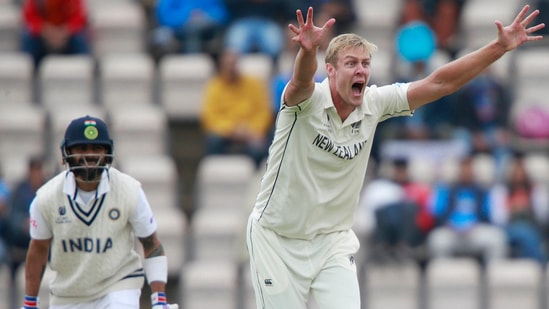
347	152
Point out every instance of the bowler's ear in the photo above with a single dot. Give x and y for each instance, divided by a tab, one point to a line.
330	69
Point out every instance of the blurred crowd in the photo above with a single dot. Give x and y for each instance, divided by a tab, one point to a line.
405	216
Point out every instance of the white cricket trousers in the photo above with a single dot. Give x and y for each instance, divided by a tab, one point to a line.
123	299
286	272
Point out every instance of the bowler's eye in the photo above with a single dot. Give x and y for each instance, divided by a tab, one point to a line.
350	64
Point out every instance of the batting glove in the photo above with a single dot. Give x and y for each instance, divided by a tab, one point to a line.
30	302
159	301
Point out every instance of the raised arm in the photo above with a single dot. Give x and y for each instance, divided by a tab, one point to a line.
450	77
309	38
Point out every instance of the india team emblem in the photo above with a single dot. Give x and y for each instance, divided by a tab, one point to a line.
62	210
114	214
90	131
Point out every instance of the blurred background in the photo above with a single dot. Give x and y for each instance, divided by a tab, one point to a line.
455	207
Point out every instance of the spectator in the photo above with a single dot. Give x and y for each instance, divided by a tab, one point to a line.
22	195
416	48
192	24
236	113
342	10
54	27
399	207
419	193
487	103
462	213
522	206
18	234
257	26
444	16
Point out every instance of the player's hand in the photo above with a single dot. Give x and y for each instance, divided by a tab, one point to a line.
518	32
30	302
159	301
307	35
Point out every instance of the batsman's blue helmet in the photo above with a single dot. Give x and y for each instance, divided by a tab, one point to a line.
87	130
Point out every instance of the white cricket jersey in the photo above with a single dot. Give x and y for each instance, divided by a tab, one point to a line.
317	164
92	246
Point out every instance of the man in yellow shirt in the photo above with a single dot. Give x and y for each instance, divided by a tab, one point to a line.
236	114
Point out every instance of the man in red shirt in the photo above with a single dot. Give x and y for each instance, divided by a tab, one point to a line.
54	26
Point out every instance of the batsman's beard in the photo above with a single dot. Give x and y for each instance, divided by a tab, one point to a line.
88	170
88	174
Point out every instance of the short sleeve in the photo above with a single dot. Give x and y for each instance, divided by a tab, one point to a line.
142	220
39	227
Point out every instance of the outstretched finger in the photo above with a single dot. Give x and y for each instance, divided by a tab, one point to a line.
309	16
499	25
534	29
521	14
530	18
328	24
293	29
300	20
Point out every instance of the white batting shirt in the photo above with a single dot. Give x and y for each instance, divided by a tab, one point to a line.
92	239
317	163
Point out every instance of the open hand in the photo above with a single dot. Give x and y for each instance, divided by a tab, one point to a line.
518	32
307	35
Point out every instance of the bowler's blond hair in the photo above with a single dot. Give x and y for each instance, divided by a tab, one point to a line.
344	41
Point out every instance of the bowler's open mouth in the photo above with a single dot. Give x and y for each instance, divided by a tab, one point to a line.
358	87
